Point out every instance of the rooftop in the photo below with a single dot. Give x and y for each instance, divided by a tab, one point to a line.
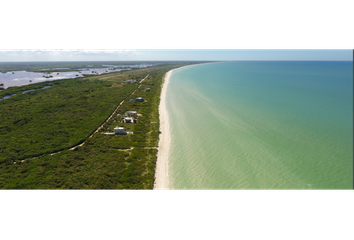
130	80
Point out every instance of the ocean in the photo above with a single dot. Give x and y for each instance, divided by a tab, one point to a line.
261	125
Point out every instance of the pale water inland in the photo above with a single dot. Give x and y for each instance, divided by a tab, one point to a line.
30	90
20	78
261	125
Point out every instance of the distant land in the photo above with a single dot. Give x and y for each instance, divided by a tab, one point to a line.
63	66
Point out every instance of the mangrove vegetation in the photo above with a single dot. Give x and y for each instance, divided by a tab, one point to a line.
45	134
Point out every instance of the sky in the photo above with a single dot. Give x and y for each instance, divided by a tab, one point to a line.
8	55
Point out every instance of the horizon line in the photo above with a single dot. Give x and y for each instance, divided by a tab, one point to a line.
262	60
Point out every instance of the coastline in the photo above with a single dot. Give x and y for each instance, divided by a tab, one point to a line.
161	172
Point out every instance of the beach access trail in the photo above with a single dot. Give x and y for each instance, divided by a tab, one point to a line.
110	116
120	104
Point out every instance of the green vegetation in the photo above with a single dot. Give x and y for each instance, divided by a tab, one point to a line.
16	90
91	166
53	119
38	128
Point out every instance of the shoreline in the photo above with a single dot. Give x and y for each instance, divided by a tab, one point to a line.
161	172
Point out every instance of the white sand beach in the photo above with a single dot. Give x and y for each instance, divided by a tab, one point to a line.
161	175
161	172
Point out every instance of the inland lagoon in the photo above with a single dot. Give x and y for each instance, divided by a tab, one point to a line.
20	78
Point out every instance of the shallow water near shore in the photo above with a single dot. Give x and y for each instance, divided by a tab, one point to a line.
261	125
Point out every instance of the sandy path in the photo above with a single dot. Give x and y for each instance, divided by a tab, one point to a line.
72	148
109	116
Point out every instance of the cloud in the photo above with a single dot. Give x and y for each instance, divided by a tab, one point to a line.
66	54
114	51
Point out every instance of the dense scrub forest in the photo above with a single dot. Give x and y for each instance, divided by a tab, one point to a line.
39	129
52	119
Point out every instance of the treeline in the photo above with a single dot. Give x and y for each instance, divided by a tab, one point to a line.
66	114
16	90
56	118
88	167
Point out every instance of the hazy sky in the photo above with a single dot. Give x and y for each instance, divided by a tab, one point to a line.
160	55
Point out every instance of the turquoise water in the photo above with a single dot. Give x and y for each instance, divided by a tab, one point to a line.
261	125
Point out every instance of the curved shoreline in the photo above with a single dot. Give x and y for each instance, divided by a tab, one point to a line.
161	172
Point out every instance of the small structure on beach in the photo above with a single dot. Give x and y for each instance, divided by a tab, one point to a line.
140	99
147	90
120	131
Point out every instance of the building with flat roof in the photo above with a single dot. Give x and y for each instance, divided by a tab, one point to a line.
131	114
130	81
120	130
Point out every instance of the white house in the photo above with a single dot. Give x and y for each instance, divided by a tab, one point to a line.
131	114
120	130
